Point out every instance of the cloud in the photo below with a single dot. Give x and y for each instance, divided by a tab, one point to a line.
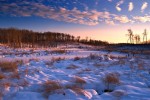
142	19
144	6
122	19
131	6
109	22
118	5
74	15
25	8
110	0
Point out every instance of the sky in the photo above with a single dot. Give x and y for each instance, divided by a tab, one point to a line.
106	20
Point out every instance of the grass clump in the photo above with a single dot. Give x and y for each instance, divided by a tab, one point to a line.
9	66
76	58
111	79
79	81
2	76
51	86
59	51
72	66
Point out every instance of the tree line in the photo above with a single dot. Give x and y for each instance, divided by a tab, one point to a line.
20	38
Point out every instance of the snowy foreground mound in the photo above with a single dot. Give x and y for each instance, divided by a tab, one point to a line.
96	77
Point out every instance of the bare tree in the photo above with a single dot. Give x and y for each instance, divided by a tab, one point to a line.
137	38
145	36
131	36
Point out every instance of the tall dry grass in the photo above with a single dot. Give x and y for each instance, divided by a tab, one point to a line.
51	86
2	76
77	58
9	66
111	79
59	51
79	81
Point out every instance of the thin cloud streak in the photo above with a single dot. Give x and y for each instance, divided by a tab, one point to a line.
118	5
144	6
131	6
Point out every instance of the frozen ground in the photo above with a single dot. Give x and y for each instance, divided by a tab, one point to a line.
76	74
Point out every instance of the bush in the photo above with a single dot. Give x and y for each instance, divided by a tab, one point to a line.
9	66
59	51
79	81
79	91
2	76
77	58
93	56
56	59
111	78
51	86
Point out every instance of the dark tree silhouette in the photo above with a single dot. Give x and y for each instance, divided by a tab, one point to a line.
131	36
145	36
27	38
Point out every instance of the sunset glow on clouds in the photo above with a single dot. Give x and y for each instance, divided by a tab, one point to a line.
84	13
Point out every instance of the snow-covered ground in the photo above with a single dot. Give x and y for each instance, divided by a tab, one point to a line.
76	74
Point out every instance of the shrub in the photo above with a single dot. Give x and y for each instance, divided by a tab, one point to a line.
6	85
76	58
2	76
19	62
79	81
51	86
56	59
9	66
59	51
111	78
93	56
79	90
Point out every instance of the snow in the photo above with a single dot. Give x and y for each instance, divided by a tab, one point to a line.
40	66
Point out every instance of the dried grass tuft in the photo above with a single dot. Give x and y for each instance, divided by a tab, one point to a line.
59	51
9	66
111	78
76	58
72	66
51	86
2	76
56	59
80	81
